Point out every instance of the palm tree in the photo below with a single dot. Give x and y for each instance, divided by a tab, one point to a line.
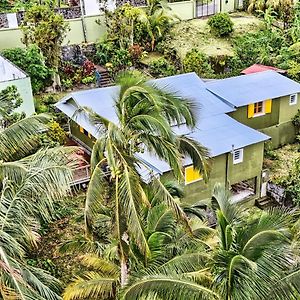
252	259
29	184
157	18
168	241
144	114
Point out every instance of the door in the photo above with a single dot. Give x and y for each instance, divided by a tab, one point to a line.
206	8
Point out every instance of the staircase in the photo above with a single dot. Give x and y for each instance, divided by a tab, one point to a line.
263	202
106	79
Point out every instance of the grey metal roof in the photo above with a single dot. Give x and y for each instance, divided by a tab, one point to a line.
246	89
8	71
219	133
102	100
215	130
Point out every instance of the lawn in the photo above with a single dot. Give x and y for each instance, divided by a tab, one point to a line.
195	34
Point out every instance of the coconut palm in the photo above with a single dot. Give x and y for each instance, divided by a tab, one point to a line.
168	241
144	114
29	184
252	259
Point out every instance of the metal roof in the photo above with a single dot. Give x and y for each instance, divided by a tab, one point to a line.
8	71
102	100
215	130
220	134
246	89
261	68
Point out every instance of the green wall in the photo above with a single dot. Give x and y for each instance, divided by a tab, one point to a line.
241	115
281	134
250	167
24	88
75	131
287	111
11	38
185	10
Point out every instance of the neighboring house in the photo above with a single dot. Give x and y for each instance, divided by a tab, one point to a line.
256	68
12	75
236	149
266	101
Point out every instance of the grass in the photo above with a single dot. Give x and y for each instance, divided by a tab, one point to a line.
195	34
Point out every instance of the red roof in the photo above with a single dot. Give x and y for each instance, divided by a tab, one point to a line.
260	68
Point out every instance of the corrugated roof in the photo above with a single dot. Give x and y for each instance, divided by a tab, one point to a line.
246	89
261	68
8	71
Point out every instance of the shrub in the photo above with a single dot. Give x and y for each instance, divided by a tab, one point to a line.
32	62
220	24
161	67
196	61
88	79
55	135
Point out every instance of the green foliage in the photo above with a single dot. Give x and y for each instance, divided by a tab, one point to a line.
220	24
260	47
196	61
46	29
54	136
161	68
10	100
32	61
88	79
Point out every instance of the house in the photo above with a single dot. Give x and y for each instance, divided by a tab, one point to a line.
266	101
261	68
12	75
236	149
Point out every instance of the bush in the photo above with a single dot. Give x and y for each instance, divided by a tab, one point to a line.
161	67
220	24
55	135
196	61
32	62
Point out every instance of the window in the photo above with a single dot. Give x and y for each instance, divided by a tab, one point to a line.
191	175
238	156
293	99
258	108
85	132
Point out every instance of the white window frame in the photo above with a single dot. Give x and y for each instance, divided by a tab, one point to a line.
241	156
296	99
262	113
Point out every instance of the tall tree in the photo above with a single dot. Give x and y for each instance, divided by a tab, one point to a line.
47	29
144	114
29	184
10	100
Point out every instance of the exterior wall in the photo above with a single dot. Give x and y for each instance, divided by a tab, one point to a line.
271	119
227	5
75	131
277	124
11	38
24	88
281	134
185	10
287	111
250	167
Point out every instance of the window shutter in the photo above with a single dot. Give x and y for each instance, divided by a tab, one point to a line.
81	129
191	175
268	106
250	110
